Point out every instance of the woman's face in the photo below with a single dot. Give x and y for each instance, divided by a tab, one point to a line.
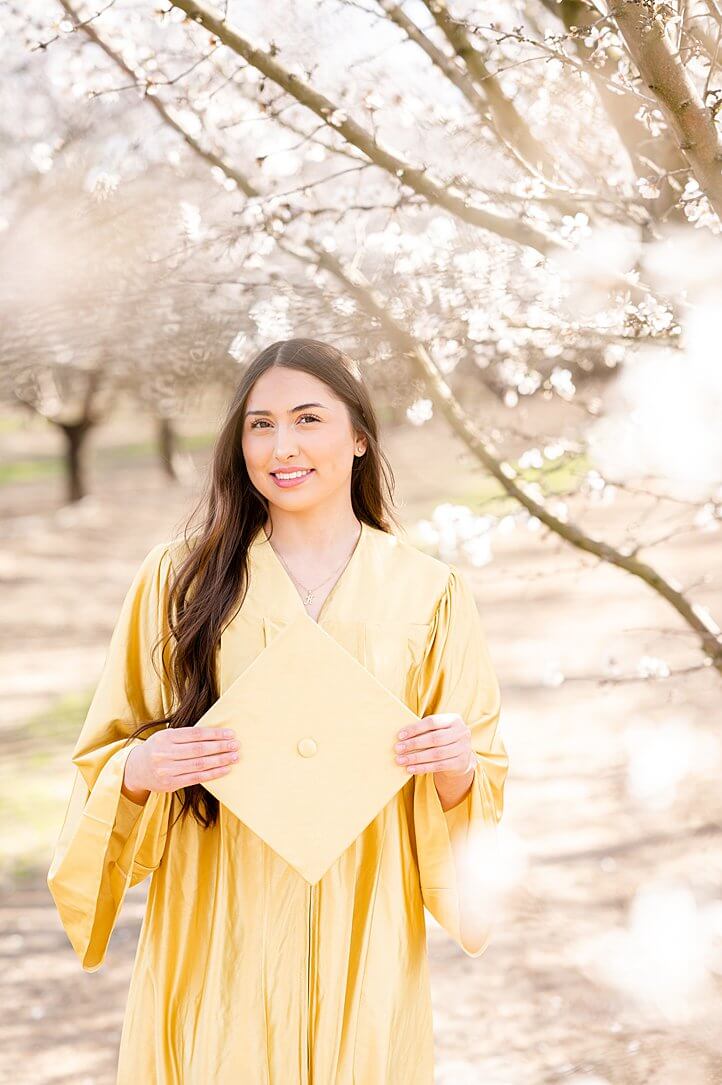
294	421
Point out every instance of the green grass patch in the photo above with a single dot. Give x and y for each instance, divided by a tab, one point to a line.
48	466
30	470
558	477
147	449
11	423
61	723
36	778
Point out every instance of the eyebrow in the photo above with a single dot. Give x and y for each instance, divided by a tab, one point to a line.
300	407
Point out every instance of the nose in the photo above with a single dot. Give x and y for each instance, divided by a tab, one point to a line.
286	444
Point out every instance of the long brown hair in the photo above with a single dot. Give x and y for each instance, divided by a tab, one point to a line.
210	585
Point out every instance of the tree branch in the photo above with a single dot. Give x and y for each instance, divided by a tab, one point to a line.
436	192
665	75
508	121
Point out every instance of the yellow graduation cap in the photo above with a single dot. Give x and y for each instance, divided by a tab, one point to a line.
316	760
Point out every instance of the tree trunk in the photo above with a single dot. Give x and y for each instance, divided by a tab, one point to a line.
75	434
167	447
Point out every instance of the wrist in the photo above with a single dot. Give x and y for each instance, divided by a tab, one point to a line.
128	787
452	788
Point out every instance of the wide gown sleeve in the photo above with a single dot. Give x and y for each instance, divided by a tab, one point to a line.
456	848
108	843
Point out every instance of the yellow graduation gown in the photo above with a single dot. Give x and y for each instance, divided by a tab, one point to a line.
245	973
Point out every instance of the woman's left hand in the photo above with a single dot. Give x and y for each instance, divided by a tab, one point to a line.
440	743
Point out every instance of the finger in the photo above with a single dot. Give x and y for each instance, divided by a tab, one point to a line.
200	734
202	764
189	778
187	750
438	765
438	753
440	736
440	721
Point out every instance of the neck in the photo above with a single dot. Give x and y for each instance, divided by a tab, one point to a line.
311	533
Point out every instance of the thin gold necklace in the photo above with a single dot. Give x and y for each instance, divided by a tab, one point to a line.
310	591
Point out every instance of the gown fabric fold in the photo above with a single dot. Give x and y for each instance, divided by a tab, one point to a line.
245	973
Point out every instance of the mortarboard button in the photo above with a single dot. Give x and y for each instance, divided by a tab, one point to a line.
309	797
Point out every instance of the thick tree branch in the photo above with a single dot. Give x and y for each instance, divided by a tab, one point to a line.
621	108
485	104
509	122
419	180
715	12
664	73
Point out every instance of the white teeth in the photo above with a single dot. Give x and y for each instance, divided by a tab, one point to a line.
291	474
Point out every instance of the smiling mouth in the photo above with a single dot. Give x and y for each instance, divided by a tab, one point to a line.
299	473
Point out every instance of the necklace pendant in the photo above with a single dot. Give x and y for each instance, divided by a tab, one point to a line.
309	597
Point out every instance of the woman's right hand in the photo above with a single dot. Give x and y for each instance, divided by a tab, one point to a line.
175	757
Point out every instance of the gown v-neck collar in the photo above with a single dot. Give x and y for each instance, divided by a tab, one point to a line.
262	547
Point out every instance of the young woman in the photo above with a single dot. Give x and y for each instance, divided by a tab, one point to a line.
244	973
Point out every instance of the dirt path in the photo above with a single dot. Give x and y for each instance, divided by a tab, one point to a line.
606	965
